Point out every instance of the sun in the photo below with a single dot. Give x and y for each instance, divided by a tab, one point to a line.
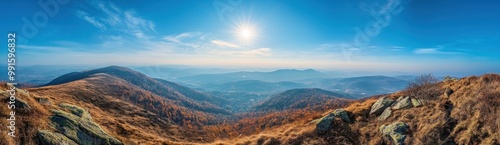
246	33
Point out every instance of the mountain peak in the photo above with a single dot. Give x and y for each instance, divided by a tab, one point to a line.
111	70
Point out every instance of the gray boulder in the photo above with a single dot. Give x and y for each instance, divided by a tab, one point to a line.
325	123
49	138
21	104
402	103
379	106
43	101
449	79
387	112
342	114
447	92
416	102
395	133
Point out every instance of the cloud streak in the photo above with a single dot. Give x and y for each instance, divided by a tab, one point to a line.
181	37
126	21
92	20
247	53
225	44
433	51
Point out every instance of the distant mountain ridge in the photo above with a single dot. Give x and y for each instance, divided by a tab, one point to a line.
253	86
274	76
302	98
360	87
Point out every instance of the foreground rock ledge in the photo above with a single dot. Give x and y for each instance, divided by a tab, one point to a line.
75	127
395	133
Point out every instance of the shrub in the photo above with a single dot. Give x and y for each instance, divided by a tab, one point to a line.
424	87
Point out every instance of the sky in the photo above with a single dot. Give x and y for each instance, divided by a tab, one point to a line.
355	35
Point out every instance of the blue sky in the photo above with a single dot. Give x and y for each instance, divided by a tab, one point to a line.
356	35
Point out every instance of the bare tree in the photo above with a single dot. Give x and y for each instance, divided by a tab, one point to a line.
424	87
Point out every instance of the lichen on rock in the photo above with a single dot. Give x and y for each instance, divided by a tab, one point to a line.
379	106
395	132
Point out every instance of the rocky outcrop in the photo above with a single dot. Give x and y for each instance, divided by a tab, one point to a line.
379	106
21	104
416	102
449	79
395	133
325	123
402	103
447	92
342	114
78	126
387	112
49	138
43	101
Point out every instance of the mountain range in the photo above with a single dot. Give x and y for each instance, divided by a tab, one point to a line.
274	76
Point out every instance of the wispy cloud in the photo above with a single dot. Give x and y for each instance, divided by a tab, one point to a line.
247	53
92	20
224	44
396	48
180	37
110	16
433	51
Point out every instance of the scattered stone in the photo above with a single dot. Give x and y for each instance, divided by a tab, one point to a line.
21	104
449	79
326	123
447	92
379	106
402	103
342	114
43	101
49	138
396	132
387	112
416	102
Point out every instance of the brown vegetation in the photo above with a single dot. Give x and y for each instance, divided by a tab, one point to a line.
425	87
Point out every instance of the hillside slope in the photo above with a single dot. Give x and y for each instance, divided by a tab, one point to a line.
186	98
126	112
301	98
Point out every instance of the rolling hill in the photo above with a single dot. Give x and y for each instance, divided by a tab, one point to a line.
253	86
302	98
191	98
364	86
